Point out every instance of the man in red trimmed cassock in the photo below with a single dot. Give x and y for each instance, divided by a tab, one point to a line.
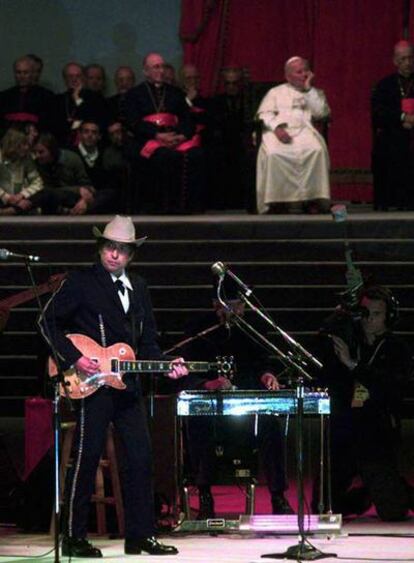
168	149
392	107
26	101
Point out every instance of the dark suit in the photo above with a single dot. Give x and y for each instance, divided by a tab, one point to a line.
35	100
88	303
107	181
392	153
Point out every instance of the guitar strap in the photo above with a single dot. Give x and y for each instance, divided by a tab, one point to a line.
132	317
102	330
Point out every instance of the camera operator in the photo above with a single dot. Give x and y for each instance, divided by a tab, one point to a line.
365	369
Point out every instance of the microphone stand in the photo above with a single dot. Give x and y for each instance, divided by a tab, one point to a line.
296	358
57	381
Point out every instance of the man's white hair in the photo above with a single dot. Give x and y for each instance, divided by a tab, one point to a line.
294	60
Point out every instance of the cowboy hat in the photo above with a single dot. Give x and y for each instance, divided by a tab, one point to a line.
120	229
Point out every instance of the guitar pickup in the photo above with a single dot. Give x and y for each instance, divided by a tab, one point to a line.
114	365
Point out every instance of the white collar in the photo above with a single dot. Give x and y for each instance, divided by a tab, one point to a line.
87	155
124	279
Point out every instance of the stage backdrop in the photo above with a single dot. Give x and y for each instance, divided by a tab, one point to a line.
101	31
348	42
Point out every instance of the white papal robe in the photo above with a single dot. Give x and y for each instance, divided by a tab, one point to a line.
296	171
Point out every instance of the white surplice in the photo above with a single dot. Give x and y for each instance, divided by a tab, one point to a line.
296	171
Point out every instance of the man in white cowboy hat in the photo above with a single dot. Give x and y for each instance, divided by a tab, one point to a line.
107	304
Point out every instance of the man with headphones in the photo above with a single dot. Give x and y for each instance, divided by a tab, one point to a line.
365	377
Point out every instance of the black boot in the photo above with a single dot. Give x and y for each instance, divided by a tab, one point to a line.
280	505
206	505
79	547
149	545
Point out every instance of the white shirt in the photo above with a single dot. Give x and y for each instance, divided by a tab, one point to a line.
124	297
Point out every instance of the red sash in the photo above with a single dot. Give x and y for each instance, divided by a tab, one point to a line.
166	120
407	105
197	110
162	119
22	116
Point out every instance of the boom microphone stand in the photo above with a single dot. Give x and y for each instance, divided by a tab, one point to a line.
297	358
57	381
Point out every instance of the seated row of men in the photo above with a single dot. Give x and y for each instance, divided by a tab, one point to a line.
184	152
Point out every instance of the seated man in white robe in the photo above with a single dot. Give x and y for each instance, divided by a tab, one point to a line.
293	161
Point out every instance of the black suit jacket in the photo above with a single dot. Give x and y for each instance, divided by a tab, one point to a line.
87	301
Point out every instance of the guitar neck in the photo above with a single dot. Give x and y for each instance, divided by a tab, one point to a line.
156	366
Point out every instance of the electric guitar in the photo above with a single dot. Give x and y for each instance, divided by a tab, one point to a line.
6	304
116	360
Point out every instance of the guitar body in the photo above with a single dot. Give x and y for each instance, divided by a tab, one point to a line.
116	360
78	385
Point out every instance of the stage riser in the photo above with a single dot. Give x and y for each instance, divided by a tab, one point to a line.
312	273
295	265
176	320
215	228
227	251
306	297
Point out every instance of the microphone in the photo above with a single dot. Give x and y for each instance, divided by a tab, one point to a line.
6	254
220	269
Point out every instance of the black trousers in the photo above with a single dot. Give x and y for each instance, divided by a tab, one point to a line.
93	417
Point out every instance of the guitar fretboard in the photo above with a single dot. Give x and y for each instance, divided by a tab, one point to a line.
159	366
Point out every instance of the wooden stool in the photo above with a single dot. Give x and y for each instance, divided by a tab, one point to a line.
108	461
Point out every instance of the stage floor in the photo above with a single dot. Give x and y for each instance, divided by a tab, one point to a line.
366	539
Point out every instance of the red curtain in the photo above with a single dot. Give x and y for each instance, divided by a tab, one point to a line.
262	35
349	43
411	22
202	33
352	51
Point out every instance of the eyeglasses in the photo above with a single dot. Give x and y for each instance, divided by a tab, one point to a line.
121	247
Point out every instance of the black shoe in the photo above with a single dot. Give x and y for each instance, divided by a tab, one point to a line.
79	547
150	546
206	506
280	505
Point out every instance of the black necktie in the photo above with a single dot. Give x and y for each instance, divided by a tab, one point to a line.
120	286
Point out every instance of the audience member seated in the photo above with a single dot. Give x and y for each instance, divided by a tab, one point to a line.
173	162
393	133
169	75
64	174
366	368
75	105
116	156
124	80
95	78
26	101
30	129
293	161
104	176
37	67
21	187
232	172
199	105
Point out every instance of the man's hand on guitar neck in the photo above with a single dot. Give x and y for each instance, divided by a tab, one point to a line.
179	369
87	365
